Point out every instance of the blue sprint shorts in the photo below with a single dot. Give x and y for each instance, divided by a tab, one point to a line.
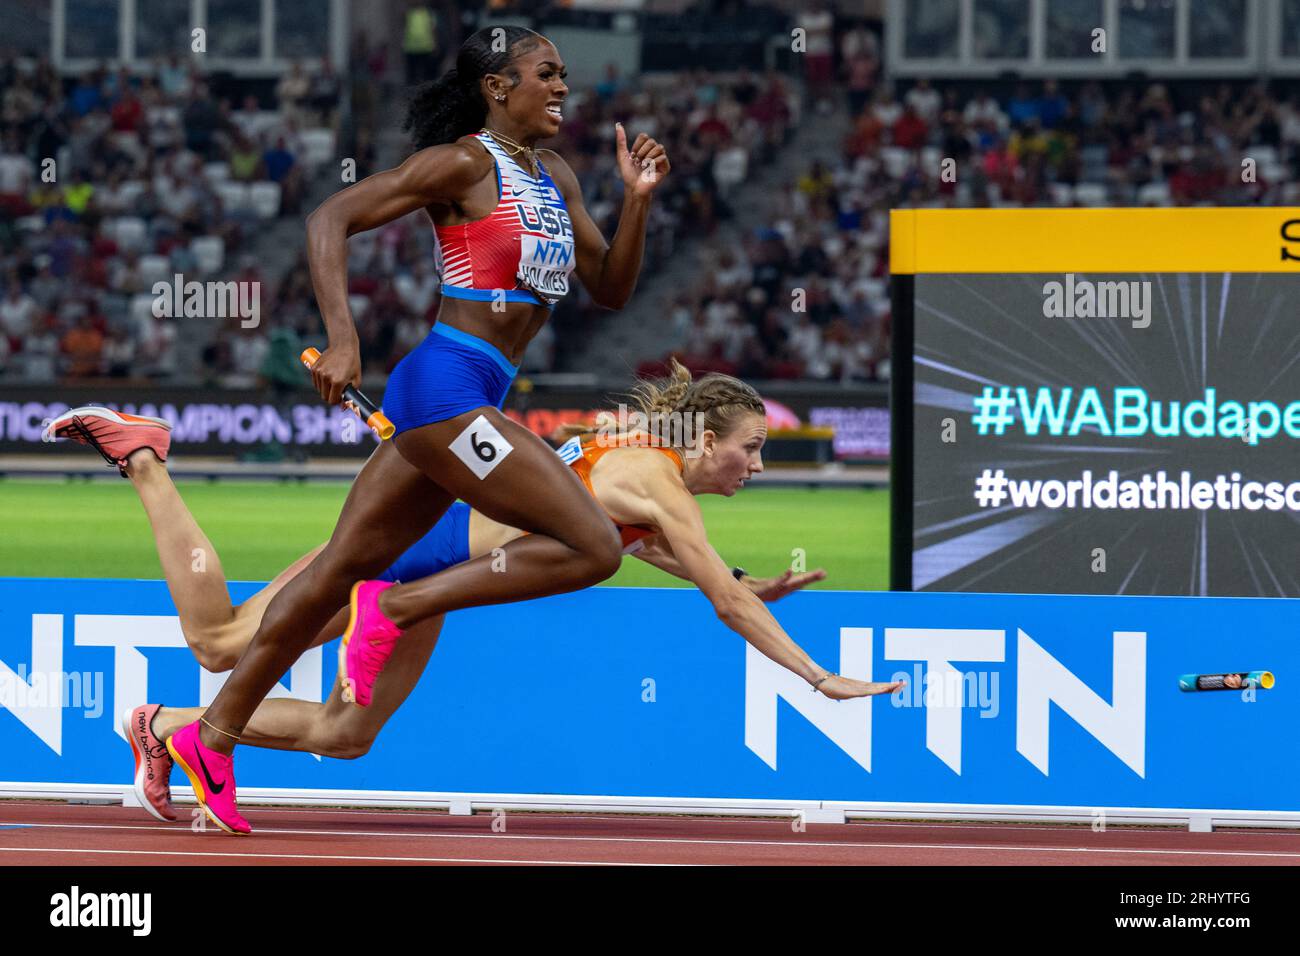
446	544
451	372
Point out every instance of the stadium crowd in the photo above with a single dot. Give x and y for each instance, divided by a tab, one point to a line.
156	175
807	295
114	180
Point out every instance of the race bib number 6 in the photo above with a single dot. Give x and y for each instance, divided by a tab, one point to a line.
481	447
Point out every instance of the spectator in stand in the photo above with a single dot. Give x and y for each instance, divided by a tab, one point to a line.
251	120
40	351
78	195
859	79
202	121
83	345
1052	106
282	167
886	108
245	160
18	313
87	95
293	89
608	88
173	78
323	97
910	131
983	110
119	354
1023	107
420	42
924	100
45	288
418	289
818	25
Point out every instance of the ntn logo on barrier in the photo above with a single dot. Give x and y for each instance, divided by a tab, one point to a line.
1120	726
1041	680
40	703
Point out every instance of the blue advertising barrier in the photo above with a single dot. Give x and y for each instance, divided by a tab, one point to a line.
619	697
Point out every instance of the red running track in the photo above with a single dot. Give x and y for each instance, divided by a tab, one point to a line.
63	834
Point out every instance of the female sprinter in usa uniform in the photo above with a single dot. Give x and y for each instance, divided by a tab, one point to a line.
648	492
511	226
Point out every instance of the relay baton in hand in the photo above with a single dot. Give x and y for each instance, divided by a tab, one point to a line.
366	410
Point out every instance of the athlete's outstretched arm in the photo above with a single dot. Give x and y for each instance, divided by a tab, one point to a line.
658	554
657	491
430	177
609	272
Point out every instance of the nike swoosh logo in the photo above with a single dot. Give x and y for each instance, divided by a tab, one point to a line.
212	786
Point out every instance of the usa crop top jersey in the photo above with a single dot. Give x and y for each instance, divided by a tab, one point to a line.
524	248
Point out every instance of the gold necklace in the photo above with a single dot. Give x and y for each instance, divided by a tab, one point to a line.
519	148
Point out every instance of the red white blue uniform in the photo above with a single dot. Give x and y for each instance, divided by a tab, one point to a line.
527	240
522	251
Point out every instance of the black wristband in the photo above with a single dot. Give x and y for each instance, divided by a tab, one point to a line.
739	573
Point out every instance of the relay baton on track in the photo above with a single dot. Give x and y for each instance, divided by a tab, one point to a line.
366	410
1243	679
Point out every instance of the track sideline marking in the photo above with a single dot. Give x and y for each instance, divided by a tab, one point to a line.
322	856
697	820
691	841
404	813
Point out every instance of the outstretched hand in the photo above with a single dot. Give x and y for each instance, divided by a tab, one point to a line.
844	688
644	165
773	589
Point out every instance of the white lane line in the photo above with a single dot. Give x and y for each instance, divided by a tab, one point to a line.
696	820
322	856
690	841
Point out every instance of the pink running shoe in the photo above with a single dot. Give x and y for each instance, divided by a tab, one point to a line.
115	435
153	764
212	775
367	643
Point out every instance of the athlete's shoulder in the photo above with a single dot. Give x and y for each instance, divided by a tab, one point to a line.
561	172
463	162
646	464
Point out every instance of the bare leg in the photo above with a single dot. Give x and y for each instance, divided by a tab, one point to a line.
573	544
216	631
393	502
333	728
391	505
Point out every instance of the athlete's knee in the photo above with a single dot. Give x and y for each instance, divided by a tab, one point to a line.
343	742
337	568
602	551
212	652
343	750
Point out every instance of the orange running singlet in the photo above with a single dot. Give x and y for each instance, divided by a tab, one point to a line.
581	454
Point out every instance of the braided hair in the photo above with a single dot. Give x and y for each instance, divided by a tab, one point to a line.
451	107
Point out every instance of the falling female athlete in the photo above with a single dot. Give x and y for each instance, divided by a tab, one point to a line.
511	225
647	491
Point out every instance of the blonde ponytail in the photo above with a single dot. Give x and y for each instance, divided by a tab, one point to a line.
721	399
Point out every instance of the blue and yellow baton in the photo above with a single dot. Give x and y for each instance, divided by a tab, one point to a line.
1238	680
